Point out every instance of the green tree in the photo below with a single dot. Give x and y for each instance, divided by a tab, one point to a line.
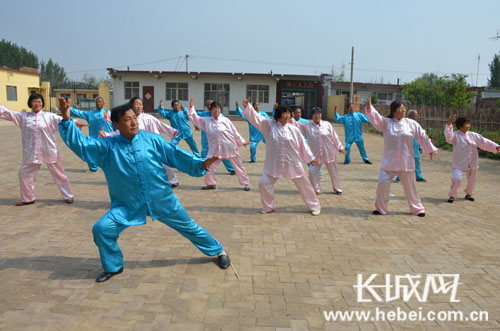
494	81
432	90
53	73
15	57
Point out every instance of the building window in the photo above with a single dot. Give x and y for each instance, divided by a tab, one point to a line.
66	95
80	97
384	97
131	90
258	93
217	92
11	93
176	91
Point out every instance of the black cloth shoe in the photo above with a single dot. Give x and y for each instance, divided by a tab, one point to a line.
252	161
468	197
376	212
421	215
451	199
209	187
422	180
337	192
174	185
232	173
368	162
104	276
223	261
22	203
69	201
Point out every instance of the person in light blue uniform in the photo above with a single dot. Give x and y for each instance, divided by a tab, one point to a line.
204	140
413	114
138	184
353	131
179	119
96	121
255	135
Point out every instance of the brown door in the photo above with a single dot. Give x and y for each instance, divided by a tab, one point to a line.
148	98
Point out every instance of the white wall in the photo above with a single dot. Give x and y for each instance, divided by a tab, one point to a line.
196	87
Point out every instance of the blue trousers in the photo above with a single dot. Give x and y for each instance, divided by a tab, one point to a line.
418	172
204	152
253	150
190	141
361	147
106	232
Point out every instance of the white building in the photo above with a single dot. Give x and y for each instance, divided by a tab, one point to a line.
226	88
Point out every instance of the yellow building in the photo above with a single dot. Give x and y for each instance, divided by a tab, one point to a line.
16	85
83	97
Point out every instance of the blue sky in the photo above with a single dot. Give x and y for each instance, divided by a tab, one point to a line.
392	39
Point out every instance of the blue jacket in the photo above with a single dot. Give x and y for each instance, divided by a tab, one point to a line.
95	118
137	181
255	135
179	120
352	125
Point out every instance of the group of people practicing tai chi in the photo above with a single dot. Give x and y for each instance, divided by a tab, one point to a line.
139	163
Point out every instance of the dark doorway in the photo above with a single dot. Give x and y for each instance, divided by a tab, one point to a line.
148	98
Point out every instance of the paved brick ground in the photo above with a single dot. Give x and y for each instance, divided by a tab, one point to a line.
291	265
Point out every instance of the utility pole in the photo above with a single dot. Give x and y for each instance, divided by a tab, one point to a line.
187	56
477	73
351	87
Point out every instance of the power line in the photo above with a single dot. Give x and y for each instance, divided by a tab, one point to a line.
128	65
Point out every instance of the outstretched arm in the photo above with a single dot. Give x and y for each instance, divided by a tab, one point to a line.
448	130
424	140
10	115
193	116
252	116
87	148
376	119
164	113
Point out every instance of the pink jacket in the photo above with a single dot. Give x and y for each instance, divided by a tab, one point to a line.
223	138
465	147
398	141
323	140
38	134
285	146
147	123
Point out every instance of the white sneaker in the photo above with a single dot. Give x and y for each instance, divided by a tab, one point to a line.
263	211
316	212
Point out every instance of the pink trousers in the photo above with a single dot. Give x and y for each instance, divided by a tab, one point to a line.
172	177
241	173
409	182
334	176
266	187
27	176
456	180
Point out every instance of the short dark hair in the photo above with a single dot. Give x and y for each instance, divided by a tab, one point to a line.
461	121
133	99
315	110
35	96
280	110
174	101
347	107
119	111
297	107
215	104
394	106
254	103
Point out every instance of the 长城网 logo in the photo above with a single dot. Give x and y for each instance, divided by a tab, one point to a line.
406	287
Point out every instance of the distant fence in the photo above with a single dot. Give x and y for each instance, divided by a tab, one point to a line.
483	119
